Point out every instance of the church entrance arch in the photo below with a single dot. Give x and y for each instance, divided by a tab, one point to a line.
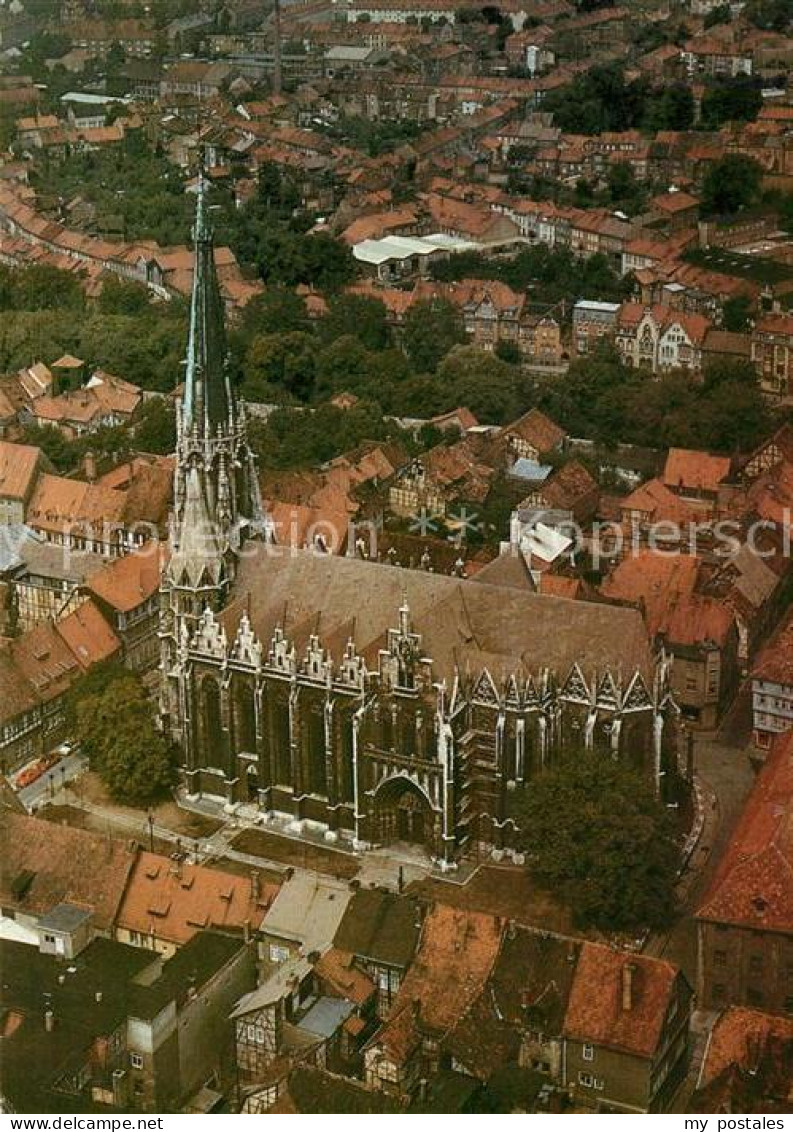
402	812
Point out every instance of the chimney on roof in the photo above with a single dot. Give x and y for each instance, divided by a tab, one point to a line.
255	888
98	996
628	972
89	466
49	1020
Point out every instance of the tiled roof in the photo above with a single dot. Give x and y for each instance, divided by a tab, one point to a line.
125	583
68	865
175	901
697	470
567	486
88	635
59	503
538	430
380	927
753	886
18	464
455	957
665	586
595	1011
337	969
775	662
655	500
740	1038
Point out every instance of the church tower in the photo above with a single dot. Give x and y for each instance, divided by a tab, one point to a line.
216	495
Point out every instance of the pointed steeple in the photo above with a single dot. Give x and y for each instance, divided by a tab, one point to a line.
197	559
208	400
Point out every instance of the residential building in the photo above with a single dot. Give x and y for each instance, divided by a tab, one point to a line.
772	353
40	668
120	1029
625	1031
699	632
533	435
381	931
127	591
20	467
443	983
746	1066
44	865
772	688
593	321
167	901
660	338
745	921
45	579
304	916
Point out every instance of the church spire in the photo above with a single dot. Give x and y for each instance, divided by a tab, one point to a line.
208	400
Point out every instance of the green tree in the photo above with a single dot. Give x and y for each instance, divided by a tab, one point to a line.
121	296
737	99
719	15
154	426
732	183
432	327
344	365
280	363
492	389
115	726
278	310
361	315
736	313
594	832
42	287
63	454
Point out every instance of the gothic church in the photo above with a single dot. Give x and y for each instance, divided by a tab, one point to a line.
374	704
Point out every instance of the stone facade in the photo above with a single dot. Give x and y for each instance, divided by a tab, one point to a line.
373	703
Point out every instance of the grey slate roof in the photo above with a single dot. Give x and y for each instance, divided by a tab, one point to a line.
501	628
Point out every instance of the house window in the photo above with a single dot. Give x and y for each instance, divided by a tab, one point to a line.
586	1079
278	954
756	965
588	1053
136	1061
719	958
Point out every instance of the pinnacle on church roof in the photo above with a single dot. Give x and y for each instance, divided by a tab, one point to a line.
208	400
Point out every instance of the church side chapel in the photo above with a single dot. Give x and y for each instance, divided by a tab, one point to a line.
375	704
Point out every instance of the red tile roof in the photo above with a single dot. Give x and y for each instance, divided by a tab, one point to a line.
173	902
18	464
665	587
68	864
127	582
538	430
775	662
739	1038
455	957
595	1011
697	470
88	635
753	886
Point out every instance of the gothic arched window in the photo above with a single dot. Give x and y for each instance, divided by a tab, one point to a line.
282	744
245	718
315	756
211	719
